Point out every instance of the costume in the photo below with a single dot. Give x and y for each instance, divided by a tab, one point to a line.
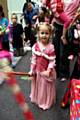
16	32
75	48
65	14
43	91
75	51
61	50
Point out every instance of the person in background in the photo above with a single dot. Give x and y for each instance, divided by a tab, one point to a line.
4	30
25	4
63	15
29	15
43	76
44	15
16	31
4	52
41	15
75	46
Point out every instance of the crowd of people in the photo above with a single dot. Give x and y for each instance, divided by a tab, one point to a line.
54	32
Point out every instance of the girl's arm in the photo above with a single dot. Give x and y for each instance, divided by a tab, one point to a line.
33	62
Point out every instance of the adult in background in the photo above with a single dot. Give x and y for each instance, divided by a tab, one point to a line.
29	15
24	6
75	46
61	46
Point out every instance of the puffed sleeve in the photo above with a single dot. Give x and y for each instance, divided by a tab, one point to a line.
33	61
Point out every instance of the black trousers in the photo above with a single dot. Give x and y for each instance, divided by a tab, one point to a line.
76	72
5	45
62	62
30	35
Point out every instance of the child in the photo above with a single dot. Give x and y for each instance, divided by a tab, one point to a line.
43	73
16	31
65	15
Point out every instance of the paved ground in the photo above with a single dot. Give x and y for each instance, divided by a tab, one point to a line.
15	60
9	110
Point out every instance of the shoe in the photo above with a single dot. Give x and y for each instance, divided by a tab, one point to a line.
63	79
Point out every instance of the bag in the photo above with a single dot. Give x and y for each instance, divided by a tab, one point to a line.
65	102
75	100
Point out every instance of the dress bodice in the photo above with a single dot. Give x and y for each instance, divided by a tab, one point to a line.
43	56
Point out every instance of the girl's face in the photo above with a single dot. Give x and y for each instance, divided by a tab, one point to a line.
44	34
14	19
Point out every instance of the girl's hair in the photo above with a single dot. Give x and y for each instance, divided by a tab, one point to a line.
41	24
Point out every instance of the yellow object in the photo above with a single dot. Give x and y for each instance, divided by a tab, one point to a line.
4	67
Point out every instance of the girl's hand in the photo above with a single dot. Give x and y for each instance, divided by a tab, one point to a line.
31	77
30	73
45	73
71	57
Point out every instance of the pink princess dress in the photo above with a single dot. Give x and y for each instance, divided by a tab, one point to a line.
43	91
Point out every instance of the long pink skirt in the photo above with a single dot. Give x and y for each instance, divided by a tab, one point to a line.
43	91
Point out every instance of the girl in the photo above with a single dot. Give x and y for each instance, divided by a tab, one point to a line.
43	69
65	15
